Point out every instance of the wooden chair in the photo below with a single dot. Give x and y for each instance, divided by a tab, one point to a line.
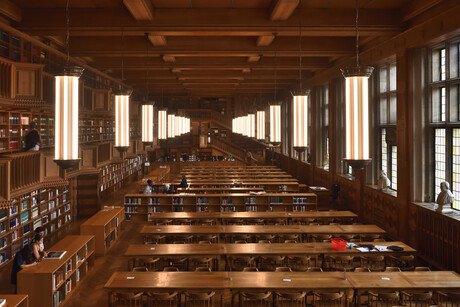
203	299
379	240
188	239
392	269
314	269
298	263
207	262
329	299
369	237
417	298
283	269
383	299
290	241
205	222
422	269
270	263
185	222
271	238
451	299
126	299
179	262
170	269
259	299
290	298
255	222
362	270
303	221
140	269
405	262
210	238
162	299
339	262
154	239
202	269
294	238
240	262
250	269
204	242
373	263
264	241
152	264
241	237
240	242
321	237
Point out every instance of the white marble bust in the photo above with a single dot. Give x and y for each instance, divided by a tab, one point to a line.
445	198
384	183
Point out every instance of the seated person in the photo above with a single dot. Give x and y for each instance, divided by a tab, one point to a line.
33	139
183	183
168	189
41	231
148	187
37	242
23	259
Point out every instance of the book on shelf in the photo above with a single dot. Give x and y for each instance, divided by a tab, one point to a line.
68	286
68	266
57	298
58	277
55	255
77	275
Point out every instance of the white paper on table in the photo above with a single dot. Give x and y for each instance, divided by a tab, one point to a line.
381	248
363	249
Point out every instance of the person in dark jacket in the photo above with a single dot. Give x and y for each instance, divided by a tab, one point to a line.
183	183
23	259
33	139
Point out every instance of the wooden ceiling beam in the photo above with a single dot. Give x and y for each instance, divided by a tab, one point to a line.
10	10
211	22
283	9
157	40
141	10
415	8
254	58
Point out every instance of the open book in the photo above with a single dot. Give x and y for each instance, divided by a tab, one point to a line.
55	255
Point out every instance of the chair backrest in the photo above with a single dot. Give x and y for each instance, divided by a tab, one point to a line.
127	299
170	269
203	269
362	270
283	269
204	242
264	241
250	269
314	269
392	269
140	269
422	269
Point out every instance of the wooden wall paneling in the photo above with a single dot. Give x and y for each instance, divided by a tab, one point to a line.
313	133
5	173
25	169
332	126
89	156
27	81
404	99
87	195
5	78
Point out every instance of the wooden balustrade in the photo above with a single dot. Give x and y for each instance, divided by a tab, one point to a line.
5	170
25	169
220	144
5	78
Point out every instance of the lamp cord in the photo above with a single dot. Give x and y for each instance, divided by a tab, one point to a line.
300	45
275	45
357	34
147	74
122	46
67	36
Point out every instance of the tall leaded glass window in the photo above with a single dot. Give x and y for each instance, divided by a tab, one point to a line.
443	86
386	101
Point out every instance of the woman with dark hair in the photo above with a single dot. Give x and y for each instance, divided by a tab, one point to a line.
23	259
37	243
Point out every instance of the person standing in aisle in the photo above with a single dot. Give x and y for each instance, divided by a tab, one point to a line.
33	139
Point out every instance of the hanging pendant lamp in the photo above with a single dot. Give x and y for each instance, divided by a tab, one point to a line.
357	153
275	112
147	108
66	110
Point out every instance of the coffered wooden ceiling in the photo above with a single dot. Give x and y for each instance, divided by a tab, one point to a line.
215	47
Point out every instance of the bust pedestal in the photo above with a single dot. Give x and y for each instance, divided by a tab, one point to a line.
444	208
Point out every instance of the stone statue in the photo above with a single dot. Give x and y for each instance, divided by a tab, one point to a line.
384	183
445	198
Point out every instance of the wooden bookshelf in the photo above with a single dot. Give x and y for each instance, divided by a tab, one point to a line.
54	280
50	208
96	129
15	300
113	176
105	226
141	207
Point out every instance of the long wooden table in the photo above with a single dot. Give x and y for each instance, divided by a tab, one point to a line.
223	216
260	229
226	251
276	281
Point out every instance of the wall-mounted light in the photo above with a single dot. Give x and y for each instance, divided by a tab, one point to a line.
275	124
122	120
261	125
66	118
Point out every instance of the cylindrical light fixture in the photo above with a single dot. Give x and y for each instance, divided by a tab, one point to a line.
300	120
66	117
275	124
176	125
147	123
261	125
251	125
122	120
245	126
162	124
171	126
357	115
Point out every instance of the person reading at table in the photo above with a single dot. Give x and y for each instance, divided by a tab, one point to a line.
23	259
183	183
37	243
32	139
41	231
148	187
